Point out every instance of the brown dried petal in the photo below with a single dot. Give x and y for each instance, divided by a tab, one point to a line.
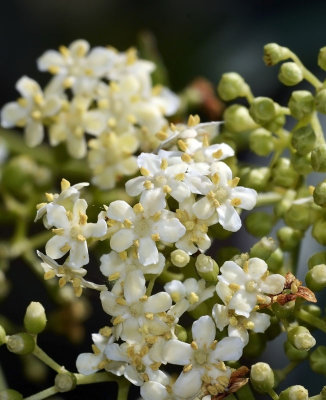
237	380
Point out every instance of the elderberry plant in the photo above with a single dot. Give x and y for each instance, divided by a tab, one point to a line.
164	188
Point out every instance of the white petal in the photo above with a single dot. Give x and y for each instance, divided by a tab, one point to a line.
228	217
153	390
156	268
54	245
147	251
78	254
87	363
12	113
227	349
232	273
273	284
153	201
176	352
122	240
48	59
114	352
134	286
133	376
34	133
203	208
27	87
256	268
239	332
243	302
135	186
203	331
57	216
111	263
94	122
110	305
119	210
151	162
170	230
221	316
261	321
95	230
159	302
188	383
130	332
247	196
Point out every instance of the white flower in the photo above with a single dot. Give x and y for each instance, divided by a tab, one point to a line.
143	231
30	110
242	288
72	232
198	356
223	196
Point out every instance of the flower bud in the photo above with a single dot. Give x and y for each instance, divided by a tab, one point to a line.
180	258
263	249
231	86
322	58
316	277
320	101
288	237
317	258
304	139
262	110
317	360
320	194
2	335
290	74
262	377
293	354
237	119
298	216
257	178
284	174
318	158
301	338
21	343
255	346
35	318
274	53
301	163
276	123
275	261
282	207
296	392
261	142
319	231
283	311
259	223
207	268
10	394
65	381
181	333
301	103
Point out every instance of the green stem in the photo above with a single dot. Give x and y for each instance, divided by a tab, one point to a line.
245	393
95	378
273	394
43	394
3	382
151	285
24	245
317	322
41	355
281	374
123	389
265	199
306	73
317	128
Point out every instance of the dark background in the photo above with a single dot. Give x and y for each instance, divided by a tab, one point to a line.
195	38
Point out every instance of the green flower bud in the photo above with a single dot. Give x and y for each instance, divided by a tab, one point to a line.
290	74
259	223
276	123
320	194
301	103
301	163
316	277
298	216
231	86
10	394
257	178
180	258
296	392
262	110
283	311
317	360
65	381
317	258
288	237
318	158
275	261
274	53
261	142
255	346
282	207
35	318
207	268
301	338
284	174
2	335
237	119
293	354
304	139
21	343
263	249
262	377
322	58
181	333
320	101
319	231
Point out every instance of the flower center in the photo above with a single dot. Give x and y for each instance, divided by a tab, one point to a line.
200	356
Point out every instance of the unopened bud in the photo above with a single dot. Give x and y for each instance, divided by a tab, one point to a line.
316	259
10	394
301	163
290	74
231	86
317	360
319	231
237	119
65	381
275	261
320	194
301	103
257	178
293	354
274	53
262	110
304	139
322	58
283	311
181	333
301	338
21	343
318	158
35	318
288	237
298	216
276	123
316	277
263	249
207	268
320	101
262	377
282	207
180	258
261	142
259	223
284	174
296	392
2	335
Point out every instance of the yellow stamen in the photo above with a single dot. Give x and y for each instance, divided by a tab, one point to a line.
114	276
155	237
182	145
138	208
64	184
